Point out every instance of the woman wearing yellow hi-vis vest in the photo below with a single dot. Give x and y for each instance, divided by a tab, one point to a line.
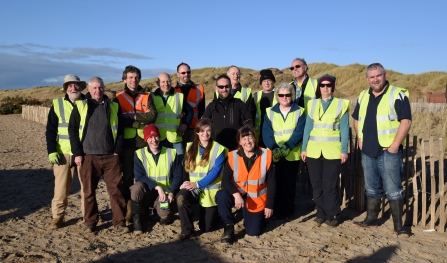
282	133
203	161
325	148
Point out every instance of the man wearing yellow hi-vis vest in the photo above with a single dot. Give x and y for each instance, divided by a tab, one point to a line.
305	86
59	150
382	119
137	111
158	176
282	133
96	138
171	108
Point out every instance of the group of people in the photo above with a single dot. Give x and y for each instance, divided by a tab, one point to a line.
168	150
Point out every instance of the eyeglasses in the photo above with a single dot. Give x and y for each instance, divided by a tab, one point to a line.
223	86
294	67
185	72
288	95
329	85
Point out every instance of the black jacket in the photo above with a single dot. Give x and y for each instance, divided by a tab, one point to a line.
227	115
75	119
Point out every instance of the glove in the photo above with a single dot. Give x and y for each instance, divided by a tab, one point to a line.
276	154
54	158
284	150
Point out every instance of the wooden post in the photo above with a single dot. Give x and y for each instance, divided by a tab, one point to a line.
442	212
407	175
424	185
432	187
415	185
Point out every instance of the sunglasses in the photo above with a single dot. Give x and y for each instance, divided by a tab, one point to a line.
288	95
326	85
294	67
185	72
223	86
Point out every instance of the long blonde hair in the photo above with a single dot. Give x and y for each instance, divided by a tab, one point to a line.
193	151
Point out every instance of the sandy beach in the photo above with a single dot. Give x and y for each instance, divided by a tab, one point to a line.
26	190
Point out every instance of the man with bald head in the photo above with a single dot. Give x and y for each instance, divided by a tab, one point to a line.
171	108
96	142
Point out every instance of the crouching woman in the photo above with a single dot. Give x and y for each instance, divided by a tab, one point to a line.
247	173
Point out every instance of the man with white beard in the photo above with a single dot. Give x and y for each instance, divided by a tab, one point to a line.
59	150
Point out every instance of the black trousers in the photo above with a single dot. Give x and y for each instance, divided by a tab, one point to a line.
286	173
323	175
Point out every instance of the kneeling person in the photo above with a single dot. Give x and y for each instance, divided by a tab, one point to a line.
158	176
248	174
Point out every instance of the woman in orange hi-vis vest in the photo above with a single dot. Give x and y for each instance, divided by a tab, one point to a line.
249	183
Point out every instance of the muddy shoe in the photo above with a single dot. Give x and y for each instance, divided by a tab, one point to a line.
57	223
332	222
121	229
166	220
89	228
318	221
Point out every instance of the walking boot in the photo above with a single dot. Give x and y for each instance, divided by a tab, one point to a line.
372	213
228	234
129	212
396	207
57	223
138	216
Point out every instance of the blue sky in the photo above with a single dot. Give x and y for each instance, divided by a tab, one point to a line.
42	41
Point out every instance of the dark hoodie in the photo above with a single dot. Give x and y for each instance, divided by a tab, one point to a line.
227	115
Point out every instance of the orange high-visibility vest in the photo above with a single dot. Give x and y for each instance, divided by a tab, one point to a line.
251	183
195	96
130	106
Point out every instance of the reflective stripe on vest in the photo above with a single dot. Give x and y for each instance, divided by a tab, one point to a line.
257	99
113	118
160	171
130	106
386	118
194	100
169	116
62	109
207	198
325	138
283	129
252	183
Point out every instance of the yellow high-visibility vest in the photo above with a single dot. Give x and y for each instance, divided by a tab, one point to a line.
387	122
325	137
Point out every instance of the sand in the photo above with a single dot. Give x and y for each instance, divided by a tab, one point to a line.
26	189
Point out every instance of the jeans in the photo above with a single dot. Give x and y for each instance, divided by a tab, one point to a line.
383	173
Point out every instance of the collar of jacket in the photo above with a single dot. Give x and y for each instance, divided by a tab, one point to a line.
293	107
189	84
158	92
241	153
387	84
140	90
304	82
105	99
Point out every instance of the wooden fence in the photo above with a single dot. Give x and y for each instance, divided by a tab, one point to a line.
35	113
423	179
